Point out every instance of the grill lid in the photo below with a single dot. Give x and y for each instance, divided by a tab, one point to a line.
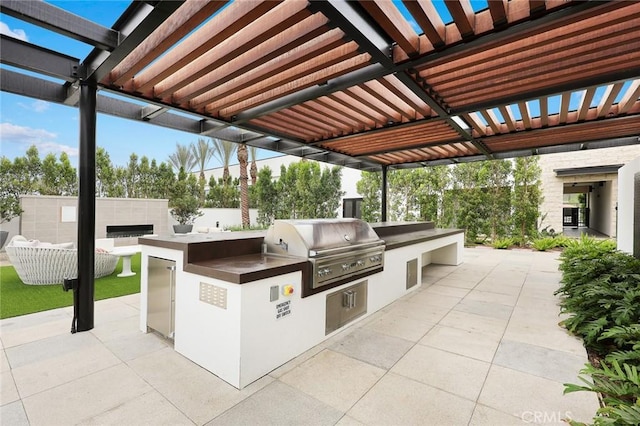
317	237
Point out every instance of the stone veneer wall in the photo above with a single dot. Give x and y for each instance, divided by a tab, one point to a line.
552	186
42	217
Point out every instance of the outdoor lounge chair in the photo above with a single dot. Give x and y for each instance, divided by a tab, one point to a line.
52	263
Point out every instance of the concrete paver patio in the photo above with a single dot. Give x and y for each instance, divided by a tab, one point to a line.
477	344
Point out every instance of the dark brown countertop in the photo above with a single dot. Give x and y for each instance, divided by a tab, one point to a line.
409	238
236	257
247	268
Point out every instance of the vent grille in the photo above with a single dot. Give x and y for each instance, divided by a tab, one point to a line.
213	295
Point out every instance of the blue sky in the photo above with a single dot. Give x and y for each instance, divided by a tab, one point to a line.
54	128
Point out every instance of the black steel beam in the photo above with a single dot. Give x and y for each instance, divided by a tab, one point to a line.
378	70
383	197
22	54
346	16
84	308
134	26
32	87
412	85
610	78
46	15
370	72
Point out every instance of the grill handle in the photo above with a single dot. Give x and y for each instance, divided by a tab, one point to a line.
345	249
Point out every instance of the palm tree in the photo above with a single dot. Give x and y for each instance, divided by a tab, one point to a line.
202	153
182	158
224	150
244	189
253	153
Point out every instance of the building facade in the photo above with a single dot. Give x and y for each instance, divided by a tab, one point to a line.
593	173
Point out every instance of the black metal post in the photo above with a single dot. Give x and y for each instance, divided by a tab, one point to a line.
383	200
86	207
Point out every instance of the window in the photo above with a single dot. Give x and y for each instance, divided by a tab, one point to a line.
352	207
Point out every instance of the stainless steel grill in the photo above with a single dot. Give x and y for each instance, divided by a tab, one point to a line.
338	249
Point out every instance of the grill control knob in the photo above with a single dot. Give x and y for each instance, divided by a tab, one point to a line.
323	272
345	267
360	263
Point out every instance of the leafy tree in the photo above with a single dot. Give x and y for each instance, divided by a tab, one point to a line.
498	191
33	170
527	197
432	183
182	158
329	192
316	192
370	187
58	178
402	195
162	181
119	187
105	175
267	195
10	190
132	178
68	176
223	196
470	199
145	178
184	200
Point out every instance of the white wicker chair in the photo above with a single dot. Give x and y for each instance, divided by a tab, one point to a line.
49	265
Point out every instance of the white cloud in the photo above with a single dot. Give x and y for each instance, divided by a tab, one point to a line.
44	140
40	106
36	106
17	33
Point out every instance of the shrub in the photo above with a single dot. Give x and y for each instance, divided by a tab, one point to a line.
544	244
619	386
600	290
502	243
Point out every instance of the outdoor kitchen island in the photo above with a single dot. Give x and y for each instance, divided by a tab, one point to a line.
240	304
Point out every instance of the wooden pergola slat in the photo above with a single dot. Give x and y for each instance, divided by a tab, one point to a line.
230	20
630	97
585	103
427	17
463	16
191	14
607	99
389	17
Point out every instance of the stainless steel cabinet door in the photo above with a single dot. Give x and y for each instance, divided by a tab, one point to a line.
161	295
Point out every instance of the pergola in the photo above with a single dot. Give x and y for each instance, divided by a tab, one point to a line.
369	84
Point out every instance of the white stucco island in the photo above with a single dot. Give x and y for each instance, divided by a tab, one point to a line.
240	312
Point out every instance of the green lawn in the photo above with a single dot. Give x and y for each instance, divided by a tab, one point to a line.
17	298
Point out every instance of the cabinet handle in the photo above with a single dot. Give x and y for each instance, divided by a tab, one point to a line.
349	299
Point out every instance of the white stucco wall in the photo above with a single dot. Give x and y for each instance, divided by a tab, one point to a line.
222	217
603	208
626	201
552	186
